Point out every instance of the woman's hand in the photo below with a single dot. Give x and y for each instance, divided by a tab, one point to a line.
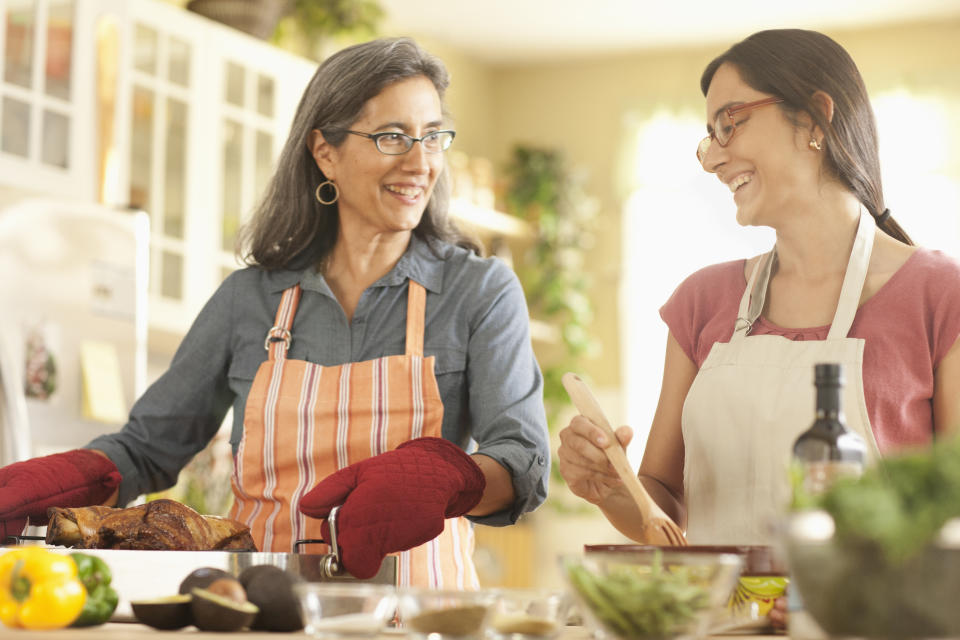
583	462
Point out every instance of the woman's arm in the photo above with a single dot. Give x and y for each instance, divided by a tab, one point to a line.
661	470
946	392
505	399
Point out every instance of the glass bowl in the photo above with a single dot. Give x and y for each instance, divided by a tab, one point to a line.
339	609
911	598
528	614
651	592
445	614
763	579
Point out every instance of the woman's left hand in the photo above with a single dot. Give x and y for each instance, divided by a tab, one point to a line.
396	500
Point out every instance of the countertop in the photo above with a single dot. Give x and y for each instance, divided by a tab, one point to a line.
135	631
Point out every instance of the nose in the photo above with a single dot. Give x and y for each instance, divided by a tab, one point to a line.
417	160
714	158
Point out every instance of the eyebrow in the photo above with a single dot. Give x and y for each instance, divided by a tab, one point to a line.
405	127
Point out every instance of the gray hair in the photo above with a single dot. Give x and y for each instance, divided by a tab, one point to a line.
289	227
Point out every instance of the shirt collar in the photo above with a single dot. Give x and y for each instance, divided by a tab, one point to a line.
418	263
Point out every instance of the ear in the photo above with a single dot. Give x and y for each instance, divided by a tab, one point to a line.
824	104
324	153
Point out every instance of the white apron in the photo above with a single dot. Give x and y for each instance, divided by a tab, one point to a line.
751	399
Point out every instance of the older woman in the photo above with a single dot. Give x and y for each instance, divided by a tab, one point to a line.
390	345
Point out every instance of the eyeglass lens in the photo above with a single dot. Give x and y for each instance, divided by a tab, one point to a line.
397	143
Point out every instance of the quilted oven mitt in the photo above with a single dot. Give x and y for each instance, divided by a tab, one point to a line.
77	478
395	501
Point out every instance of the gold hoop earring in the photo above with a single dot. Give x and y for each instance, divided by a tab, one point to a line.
332	185
815	145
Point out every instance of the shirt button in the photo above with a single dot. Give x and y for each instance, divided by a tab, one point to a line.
358	321
540	460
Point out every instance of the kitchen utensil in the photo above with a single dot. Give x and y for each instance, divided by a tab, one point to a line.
341	610
658	527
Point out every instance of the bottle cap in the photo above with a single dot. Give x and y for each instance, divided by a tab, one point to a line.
831	372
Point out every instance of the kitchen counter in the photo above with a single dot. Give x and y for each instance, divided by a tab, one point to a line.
134	631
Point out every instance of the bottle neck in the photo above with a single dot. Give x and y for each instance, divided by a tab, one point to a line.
829	402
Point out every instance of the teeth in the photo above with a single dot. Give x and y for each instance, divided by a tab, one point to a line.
404	191
739	181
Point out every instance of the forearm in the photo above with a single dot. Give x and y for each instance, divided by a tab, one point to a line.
498	493
623	513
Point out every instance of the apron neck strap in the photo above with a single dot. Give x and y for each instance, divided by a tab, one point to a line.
751	304
755	295
856	275
416	314
278	338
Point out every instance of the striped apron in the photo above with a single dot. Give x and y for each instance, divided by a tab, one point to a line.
304	421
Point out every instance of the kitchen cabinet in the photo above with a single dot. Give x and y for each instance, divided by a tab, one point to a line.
140	104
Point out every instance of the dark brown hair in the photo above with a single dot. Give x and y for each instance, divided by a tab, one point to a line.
290	228
793	64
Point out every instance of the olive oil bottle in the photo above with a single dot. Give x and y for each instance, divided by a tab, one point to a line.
828	450
821	454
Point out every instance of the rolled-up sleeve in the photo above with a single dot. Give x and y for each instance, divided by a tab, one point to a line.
506	392
181	412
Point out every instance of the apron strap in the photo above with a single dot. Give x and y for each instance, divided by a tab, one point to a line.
853	280
751	304
416	315
278	337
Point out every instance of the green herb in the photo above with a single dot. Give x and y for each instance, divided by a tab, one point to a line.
643	601
899	504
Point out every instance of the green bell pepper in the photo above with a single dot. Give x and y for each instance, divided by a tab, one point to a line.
95	575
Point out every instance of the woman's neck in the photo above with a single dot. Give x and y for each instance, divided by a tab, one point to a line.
815	241
357	261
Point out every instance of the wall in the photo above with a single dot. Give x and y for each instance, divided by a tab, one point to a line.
579	106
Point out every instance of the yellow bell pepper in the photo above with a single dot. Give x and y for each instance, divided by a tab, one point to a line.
39	589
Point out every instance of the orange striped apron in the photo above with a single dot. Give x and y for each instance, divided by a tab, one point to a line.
304	421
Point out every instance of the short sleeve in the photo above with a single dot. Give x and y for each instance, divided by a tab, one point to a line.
702	310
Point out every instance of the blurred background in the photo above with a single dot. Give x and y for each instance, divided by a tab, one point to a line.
574	162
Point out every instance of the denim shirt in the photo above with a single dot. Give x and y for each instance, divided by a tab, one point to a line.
476	327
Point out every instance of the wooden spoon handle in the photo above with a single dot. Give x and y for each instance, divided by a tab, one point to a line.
585	402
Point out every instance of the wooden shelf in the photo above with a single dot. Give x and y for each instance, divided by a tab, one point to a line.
488	221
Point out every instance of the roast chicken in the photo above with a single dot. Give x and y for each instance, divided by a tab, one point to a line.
156	525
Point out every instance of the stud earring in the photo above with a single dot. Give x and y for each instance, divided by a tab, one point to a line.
815	145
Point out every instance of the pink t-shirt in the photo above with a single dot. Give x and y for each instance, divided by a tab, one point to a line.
909	325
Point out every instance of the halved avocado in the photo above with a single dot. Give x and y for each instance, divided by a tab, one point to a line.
201	578
167	613
212	612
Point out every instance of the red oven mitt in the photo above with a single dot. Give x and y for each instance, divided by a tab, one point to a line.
77	478
395	501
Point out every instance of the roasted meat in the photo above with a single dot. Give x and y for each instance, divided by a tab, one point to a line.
156	525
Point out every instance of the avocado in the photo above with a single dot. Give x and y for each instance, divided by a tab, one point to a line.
271	589
212	612
168	613
201	578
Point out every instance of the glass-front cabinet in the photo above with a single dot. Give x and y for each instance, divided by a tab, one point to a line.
201	113
140	104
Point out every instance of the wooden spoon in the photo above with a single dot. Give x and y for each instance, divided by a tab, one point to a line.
658	527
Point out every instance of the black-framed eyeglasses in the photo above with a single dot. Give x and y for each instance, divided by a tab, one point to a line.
394	143
725	126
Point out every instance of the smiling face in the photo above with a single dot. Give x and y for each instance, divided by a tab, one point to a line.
384	193
768	164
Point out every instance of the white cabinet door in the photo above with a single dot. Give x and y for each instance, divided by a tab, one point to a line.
202	112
